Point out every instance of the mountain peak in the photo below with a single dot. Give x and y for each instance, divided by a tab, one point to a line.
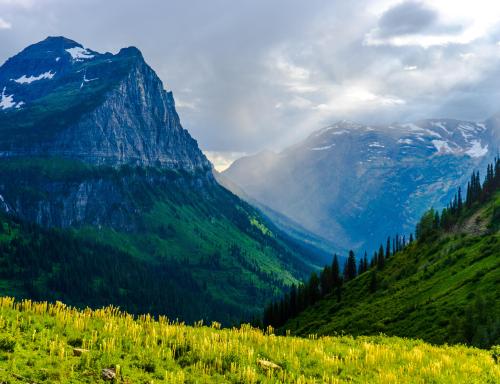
58	40
51	45
130	51
99	108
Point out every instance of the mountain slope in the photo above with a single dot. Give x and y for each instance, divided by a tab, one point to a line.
355	184
91	144
284	223
442	289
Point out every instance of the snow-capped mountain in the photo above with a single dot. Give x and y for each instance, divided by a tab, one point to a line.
61	99
356	184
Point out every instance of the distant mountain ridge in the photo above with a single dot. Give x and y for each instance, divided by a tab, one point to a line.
355	184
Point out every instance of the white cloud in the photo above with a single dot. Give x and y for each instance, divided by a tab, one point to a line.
5	24
467	56
223	159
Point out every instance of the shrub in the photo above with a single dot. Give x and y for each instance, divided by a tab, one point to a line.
7	343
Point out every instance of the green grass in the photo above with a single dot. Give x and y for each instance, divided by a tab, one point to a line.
38	341
420	290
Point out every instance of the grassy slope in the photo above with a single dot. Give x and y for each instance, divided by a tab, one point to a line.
419	289
37	341
220	242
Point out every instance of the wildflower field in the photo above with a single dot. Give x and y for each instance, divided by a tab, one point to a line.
54	343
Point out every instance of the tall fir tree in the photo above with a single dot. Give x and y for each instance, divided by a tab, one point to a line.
350	269
380	257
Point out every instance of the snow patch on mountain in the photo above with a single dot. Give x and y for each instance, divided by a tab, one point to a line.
376	144
322	148
85	80
28	80
477	150
405	141
79	53
440	124
7	101
412	127
3	205
341	132
442	146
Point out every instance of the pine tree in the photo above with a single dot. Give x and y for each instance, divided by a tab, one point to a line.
468	202
361	267
326	280
380	257
293	301
459	200
350	269
313	291
335	271
388	248
365	262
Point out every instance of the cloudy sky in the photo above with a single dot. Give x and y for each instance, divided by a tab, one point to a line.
256	74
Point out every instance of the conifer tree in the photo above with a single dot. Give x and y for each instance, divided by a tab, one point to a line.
388	248
360	267
293	301
380	257
326	280
335	271
459	200
350	269
313	291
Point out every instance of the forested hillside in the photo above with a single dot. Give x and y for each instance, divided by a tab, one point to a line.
441	287
183	252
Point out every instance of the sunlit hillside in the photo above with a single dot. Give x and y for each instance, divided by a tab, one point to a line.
53	343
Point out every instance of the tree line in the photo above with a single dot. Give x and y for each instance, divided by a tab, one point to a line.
332	278
432	222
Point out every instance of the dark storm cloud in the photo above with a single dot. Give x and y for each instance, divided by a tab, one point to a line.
408	17
413	17
247	75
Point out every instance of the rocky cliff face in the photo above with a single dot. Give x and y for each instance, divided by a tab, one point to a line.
61	105
60	99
